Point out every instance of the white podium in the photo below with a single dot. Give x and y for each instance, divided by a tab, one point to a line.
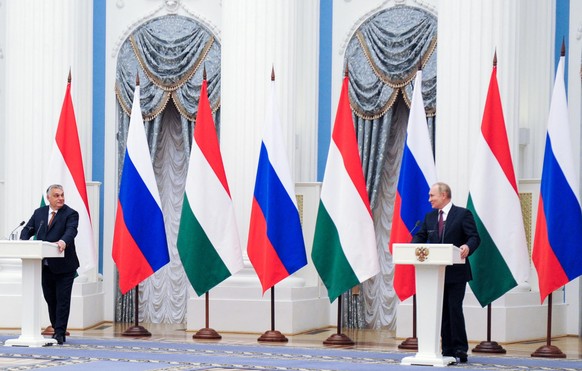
430	261
31	253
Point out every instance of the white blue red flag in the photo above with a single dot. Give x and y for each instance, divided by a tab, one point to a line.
140	247
557	254
417	175
275	245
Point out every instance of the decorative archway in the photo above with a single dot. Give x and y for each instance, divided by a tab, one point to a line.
382	58
169	54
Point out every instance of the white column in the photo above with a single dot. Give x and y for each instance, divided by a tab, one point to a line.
282	34
536	79
41	42
469	33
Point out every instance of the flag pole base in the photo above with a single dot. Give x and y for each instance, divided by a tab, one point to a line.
489	347
548	351
273	336
207	334
136	331
338	339
409	344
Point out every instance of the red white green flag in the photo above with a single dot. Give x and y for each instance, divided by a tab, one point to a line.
494	201
208	241
66	169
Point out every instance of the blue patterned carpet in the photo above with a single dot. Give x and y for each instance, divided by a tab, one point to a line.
88	354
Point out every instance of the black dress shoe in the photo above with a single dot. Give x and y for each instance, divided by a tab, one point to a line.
60	339
462	356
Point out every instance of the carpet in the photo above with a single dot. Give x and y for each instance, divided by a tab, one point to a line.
88	354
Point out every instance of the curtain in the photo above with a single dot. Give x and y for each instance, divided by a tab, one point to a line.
382	59
170	54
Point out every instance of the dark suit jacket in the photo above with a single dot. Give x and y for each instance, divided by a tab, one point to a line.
459	229
63	227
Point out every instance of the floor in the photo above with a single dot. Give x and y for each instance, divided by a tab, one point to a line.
364	339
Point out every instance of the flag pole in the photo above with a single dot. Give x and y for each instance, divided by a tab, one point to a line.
136	329
273	336
489	346
207	333
411	343
338	338
549	350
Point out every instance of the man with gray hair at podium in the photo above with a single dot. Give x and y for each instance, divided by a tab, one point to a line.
448	223
56	223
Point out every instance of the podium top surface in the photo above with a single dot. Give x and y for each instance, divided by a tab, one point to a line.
426	254
29	249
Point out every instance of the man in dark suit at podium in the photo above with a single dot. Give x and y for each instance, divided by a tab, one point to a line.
56	223
448	223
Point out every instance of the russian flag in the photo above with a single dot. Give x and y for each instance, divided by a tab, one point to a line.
140	247
557	253
275	245
417	175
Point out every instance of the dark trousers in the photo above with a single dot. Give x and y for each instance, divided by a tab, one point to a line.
453	333
57	290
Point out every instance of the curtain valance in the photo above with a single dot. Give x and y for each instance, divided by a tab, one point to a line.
397	40
169	53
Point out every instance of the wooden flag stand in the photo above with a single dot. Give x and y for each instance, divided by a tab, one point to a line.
549	350
338	338
489	346
207	333
273	336
136	329
411	343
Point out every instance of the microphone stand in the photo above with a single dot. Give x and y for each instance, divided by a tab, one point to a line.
12	235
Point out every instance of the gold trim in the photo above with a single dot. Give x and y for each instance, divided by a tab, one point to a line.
526	202
121	102
182	110
184	78
149	117
361	114
401	83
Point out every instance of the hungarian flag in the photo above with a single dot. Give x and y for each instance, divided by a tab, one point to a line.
344	246
502	261
66	169
208	241
417	175
557	255
275	245
140	247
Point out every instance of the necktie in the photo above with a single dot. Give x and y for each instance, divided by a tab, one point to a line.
441	223
53	213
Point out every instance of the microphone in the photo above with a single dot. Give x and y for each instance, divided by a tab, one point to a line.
39	228
414	228
443	234
10	235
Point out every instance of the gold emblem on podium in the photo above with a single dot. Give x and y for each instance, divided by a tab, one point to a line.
421	253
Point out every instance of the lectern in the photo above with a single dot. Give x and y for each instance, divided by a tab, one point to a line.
31	253
430	261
